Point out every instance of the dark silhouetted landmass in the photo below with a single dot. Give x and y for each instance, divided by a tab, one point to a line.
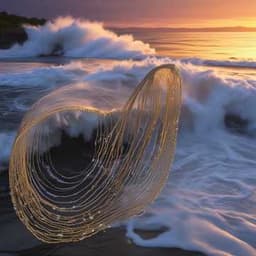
11	28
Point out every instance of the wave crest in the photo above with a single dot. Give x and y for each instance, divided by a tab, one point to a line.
77	38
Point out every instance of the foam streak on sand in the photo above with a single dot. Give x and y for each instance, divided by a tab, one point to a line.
209	202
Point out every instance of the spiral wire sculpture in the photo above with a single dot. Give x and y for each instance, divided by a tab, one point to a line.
133	148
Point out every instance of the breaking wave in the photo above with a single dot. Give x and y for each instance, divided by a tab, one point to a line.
231	63
208	96
71	37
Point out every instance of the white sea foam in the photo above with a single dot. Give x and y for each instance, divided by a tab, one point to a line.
208	204
43	77
231	63
6	141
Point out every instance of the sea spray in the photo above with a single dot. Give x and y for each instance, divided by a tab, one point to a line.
71	37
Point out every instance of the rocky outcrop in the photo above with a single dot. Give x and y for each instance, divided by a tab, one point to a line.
236	123
12	31
11	36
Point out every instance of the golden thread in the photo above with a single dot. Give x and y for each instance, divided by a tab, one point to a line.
118	182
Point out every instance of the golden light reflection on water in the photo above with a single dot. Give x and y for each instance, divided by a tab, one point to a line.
217	45
207	45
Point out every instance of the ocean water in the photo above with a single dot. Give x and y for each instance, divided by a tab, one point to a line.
205	45
209	201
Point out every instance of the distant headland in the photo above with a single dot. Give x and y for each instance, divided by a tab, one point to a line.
11	28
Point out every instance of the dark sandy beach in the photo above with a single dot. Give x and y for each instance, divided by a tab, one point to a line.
16	240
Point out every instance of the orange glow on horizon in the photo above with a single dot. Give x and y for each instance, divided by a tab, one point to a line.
193	23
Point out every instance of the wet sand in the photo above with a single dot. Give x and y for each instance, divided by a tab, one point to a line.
16	240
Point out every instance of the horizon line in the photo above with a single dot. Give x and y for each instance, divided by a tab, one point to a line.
238	28
191	29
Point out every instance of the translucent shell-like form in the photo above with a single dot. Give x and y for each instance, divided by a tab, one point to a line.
132	149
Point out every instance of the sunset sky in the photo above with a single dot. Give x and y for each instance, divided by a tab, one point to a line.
150	13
